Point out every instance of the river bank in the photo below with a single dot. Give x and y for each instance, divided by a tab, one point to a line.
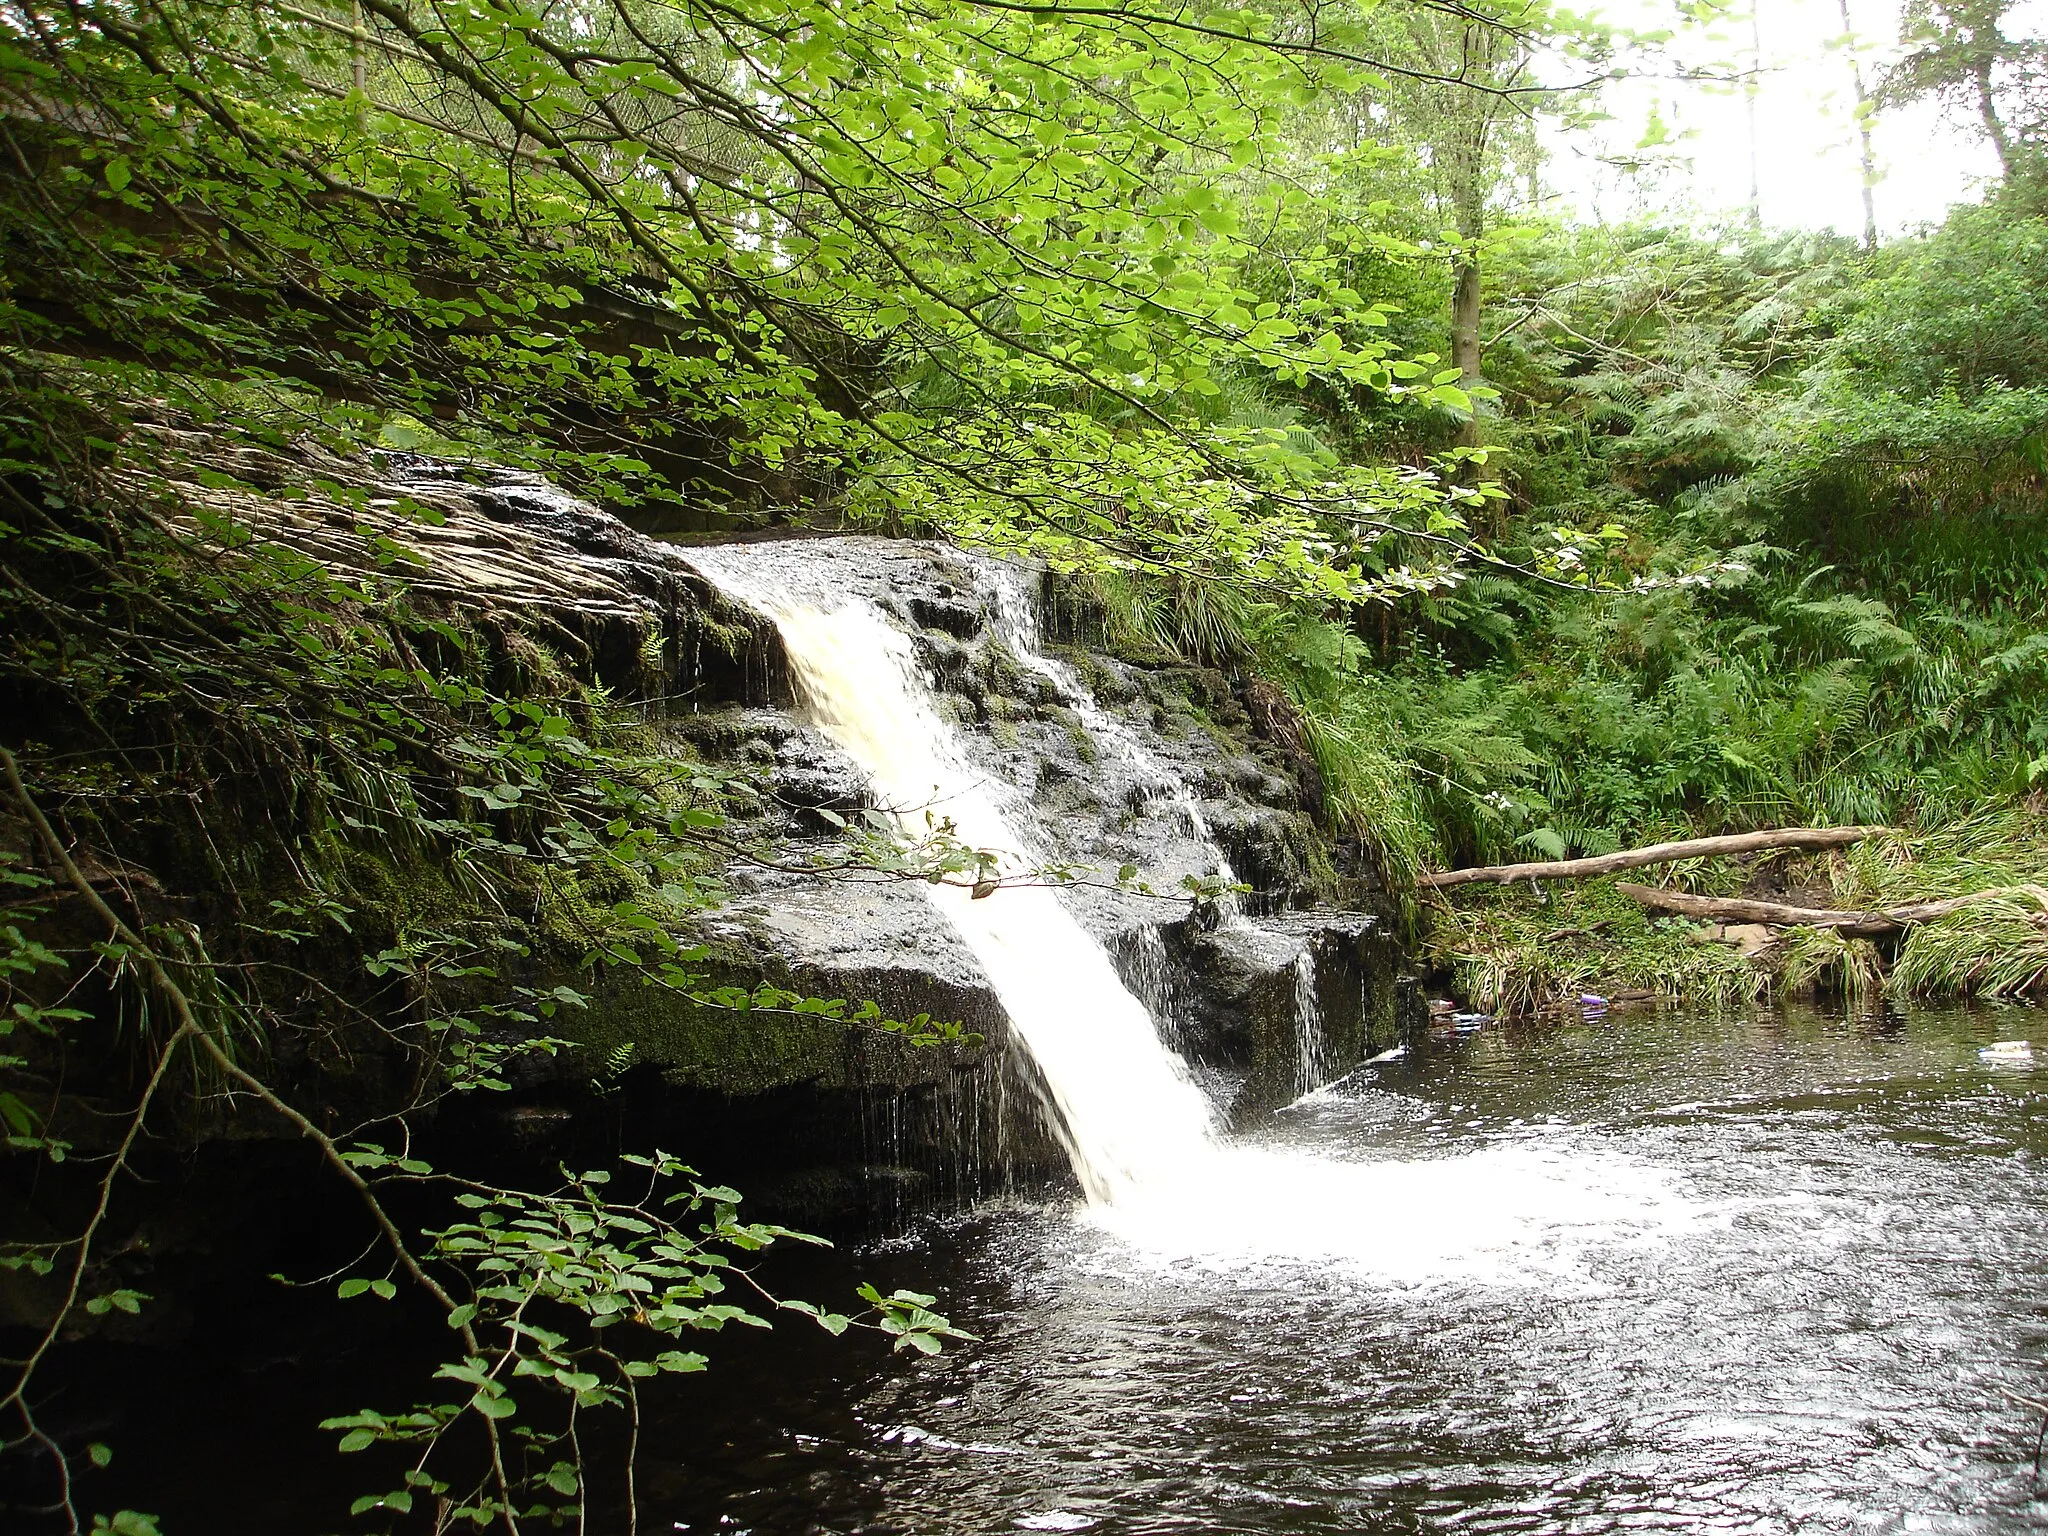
1527	948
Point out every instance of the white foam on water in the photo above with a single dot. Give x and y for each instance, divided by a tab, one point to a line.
1513	1212
1142	1137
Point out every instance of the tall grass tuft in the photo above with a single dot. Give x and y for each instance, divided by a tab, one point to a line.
1997	947
1823	960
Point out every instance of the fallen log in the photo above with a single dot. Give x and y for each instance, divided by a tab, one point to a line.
1731	909
1656	853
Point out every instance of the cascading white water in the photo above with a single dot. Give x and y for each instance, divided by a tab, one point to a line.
1141	1135
1311	1054
1017	621
1148	972
1130	1113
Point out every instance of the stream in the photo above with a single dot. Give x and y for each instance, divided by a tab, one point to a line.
1799	1266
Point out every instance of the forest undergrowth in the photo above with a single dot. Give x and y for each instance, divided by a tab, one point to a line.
1823	601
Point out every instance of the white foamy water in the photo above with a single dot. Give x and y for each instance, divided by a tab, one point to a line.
1311	1065
1017	620
1510	1214
1142	1136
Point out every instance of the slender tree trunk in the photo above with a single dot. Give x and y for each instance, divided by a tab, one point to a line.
1749	94
1987	107
1868	160
1469	195
1465	350
1465	295
1729	909
1657	853
1468	198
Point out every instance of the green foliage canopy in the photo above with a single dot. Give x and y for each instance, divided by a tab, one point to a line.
969	262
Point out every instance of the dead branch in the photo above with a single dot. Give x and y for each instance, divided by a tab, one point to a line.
1657	853
1867	924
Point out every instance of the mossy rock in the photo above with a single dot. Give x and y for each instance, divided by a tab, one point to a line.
737	1052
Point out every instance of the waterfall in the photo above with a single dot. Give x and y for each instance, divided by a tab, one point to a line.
1017	622
1311	1056
1148	972
1130	1114
1141	1135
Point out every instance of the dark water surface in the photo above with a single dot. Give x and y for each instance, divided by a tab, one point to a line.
1659	1272
1824	1342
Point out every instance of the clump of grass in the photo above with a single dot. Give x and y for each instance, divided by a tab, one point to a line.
1508	955
1170	617
1998	947
1371	796
1516	979
2003	848
1825	960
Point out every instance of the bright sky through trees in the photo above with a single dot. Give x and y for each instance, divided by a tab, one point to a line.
1806	165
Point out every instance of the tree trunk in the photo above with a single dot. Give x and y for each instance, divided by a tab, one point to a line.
1749	94
1468	200
1465	350
1656	853
1865	925
1868	159
1987	108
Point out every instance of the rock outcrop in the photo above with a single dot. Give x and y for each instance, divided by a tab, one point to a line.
1172	769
